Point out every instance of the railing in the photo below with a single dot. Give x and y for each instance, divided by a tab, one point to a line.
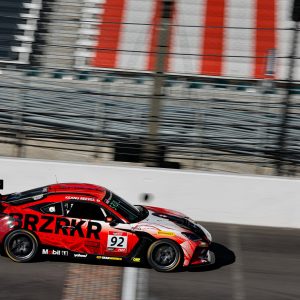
202	125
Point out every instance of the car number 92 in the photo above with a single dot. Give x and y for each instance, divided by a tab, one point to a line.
117	241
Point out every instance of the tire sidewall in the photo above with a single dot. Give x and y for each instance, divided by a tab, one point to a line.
33	239
177	249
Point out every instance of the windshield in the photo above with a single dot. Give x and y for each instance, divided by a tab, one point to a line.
128	211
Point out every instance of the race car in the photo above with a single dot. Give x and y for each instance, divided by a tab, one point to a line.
87	221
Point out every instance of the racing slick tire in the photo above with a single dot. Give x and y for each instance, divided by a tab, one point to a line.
164	255
21	246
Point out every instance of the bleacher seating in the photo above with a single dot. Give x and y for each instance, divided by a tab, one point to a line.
219	38
18	19
111	34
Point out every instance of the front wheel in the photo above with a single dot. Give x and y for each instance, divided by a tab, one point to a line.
164	255
21	246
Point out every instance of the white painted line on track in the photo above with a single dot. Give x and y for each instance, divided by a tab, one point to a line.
142	284
129	286
237	272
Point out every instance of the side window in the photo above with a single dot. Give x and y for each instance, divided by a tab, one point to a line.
83	210
108	214
53	208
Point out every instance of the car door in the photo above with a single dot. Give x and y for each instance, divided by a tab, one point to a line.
44	220
95	230
83	227
117	237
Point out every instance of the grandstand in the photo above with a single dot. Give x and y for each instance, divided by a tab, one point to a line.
77	79
236	39
18	24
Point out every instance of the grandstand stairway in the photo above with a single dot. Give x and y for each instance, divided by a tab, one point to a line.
57	33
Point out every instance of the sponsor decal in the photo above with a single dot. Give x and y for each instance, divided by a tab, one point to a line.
143	228
107	200
109	257
169	233
79	255
137	228
136	259
52	209
119	249
38	197
80	198
55	252
56	225
92	244
117	241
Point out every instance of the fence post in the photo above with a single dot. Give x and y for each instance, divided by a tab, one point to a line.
99	126
159	78
286	103
19	119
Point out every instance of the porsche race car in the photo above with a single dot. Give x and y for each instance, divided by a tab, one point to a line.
85	221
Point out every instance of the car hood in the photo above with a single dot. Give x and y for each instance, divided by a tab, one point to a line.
165	211
166	220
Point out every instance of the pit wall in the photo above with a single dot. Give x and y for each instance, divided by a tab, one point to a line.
249	200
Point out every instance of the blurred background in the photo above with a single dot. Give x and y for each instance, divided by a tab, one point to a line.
207	85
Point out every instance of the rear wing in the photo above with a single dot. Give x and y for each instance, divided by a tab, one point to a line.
1	188
3	203
2	197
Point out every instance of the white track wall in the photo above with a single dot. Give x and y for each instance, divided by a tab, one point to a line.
266	201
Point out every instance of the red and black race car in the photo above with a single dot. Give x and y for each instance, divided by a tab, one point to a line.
87	221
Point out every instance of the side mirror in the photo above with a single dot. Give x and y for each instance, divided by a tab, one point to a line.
112	222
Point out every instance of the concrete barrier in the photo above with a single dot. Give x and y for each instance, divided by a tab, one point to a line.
251	200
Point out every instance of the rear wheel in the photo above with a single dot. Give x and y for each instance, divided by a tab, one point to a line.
21	246
164	255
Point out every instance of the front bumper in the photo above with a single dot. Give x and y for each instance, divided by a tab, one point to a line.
202	257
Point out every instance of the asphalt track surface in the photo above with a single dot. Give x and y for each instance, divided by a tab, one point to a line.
251	263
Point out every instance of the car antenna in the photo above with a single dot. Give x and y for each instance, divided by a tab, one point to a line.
56	178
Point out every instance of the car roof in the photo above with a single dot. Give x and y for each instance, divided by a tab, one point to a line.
34	194
76	187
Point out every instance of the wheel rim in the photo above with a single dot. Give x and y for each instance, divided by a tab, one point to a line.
21	246
165	256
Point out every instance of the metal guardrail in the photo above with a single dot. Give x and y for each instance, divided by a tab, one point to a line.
205	123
